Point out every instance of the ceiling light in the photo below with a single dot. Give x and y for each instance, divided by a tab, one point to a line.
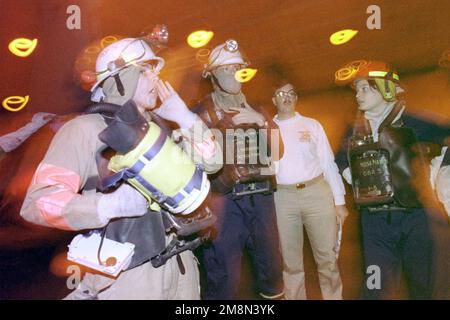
342	36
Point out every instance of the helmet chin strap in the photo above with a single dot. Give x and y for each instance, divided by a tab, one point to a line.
119	85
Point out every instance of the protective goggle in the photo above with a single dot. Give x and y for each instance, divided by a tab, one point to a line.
120	63
155	39
282	94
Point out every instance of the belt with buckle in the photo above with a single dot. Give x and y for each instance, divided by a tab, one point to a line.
388	207
301	185
242	189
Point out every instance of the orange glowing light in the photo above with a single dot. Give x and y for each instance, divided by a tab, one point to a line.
348	71
59	264
92	50
22	47
345	74
202	55
199	38
106	41
245	75
342	36
14	100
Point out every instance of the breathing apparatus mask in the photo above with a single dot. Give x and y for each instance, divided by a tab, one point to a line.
224	62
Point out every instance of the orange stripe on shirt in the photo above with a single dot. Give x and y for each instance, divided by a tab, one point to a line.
51	205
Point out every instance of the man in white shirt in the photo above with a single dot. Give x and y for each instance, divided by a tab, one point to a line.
310	193
440	177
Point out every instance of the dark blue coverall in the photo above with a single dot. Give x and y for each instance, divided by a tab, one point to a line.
247	222
399	240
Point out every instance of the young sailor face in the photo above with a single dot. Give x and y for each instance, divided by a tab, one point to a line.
367	97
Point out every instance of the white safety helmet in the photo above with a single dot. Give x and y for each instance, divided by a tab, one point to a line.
223	54
120	55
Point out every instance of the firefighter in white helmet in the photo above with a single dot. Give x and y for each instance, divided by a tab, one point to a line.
118	56
243	191
63	192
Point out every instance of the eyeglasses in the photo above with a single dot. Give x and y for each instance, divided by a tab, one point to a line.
282	94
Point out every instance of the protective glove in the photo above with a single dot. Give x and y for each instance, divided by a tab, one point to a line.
443	187
123	202
42	118
14	139
248	115
435	166
347	175
172	107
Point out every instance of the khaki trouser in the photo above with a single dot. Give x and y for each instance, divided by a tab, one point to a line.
144	283
312	207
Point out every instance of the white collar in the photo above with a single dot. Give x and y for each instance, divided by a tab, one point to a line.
296	117
376	121
379	117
